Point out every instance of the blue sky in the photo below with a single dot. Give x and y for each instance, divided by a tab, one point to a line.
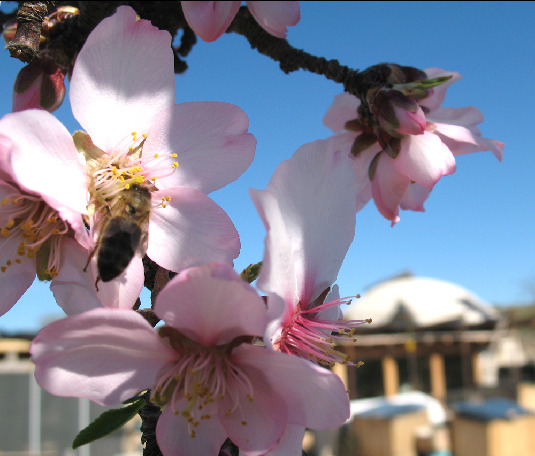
478	227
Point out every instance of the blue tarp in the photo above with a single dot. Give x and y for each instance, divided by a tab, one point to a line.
492	409
390	410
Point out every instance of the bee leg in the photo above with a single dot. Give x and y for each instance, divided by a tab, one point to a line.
97	281
89	259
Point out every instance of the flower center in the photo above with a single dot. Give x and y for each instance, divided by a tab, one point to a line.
114	172
309	336
205	376
29	224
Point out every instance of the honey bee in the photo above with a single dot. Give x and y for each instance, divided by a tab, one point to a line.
122	232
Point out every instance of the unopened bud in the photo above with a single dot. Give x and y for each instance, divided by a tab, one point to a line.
397	113
40	84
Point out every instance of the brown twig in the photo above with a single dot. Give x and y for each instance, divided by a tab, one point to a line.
291	59
25	44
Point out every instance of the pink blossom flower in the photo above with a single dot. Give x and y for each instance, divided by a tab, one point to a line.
209	20
403	176
123	96
43	195
308	212
201	367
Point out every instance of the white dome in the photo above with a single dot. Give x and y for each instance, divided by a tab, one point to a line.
424	301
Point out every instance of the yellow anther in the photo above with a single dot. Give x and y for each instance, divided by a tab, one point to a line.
5	201
156	155
3	268
358	296
368	320
167	198
8	263
153	178
139	179
174	165
249	397
56	231
131	149
114	170
134	133
244	423
17	260
127	186
4	232
174	155
164	205
144	135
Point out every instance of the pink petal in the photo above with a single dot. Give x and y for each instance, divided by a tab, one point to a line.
274	17
462	140
313	234
388	188
468	116
424	159
106	355
5	162
414	197
344	108
17	277
173	437
211	305
44	161
210	139
291	443
438	93
191	230
75	290
316	397
209	20
457	127
410	123
118	89
265	416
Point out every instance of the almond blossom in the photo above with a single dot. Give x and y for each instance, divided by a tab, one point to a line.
43	196
123	96
209	20
201	367
401	173
308	211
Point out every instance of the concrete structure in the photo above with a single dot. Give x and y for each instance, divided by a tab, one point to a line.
426	334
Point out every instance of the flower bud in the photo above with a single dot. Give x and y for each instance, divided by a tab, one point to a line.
40	84
397	114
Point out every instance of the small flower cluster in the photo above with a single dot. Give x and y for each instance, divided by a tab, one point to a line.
228	363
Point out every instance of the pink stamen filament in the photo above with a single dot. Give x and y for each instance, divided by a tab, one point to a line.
310	337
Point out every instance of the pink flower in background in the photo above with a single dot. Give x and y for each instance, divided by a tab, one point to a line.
201	367
43	196
401	173
123	96
209	20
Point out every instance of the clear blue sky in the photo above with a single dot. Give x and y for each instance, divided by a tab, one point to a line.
478	230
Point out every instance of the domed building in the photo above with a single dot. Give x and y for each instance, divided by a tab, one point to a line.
426	334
